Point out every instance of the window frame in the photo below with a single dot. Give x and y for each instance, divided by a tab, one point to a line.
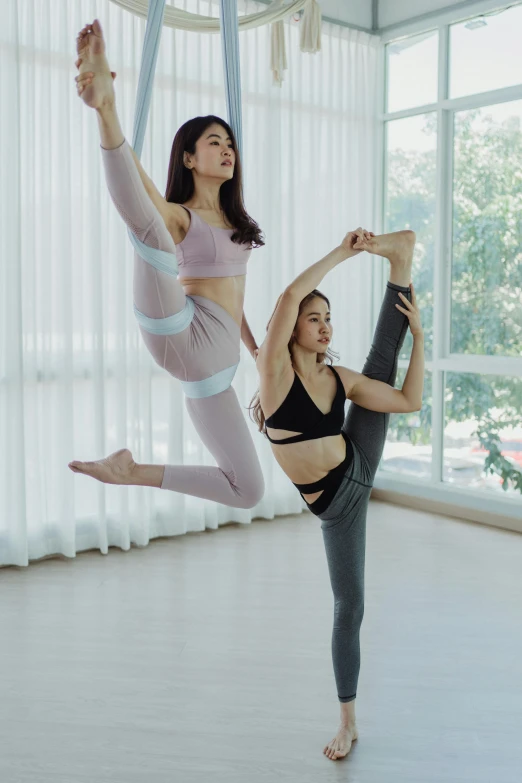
443	360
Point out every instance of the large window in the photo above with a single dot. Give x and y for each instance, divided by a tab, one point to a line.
486	280
410	203
483	431
415	55
452	173
485	52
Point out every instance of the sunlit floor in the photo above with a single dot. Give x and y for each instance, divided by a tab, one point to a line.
205	658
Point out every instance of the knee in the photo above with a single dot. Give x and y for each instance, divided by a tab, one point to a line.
349	612
250	491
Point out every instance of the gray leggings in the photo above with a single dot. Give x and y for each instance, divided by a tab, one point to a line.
344	522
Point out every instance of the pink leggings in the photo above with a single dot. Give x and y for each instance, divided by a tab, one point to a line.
207	346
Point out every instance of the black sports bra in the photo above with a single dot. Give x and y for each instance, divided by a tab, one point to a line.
299	412
297	409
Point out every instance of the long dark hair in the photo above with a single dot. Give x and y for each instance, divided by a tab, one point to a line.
180	182
256	412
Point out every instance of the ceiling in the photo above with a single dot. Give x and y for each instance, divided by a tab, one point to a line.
381	14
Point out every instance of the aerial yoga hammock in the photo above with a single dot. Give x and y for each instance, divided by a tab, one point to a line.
193	337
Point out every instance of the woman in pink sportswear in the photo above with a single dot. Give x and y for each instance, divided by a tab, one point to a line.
192	247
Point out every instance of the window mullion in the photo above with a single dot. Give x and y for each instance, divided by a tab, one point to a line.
378	266
442	266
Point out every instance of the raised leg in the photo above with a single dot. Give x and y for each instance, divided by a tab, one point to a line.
368	429
157	294
237	481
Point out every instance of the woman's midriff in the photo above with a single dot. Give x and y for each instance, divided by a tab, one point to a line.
310	460
229	292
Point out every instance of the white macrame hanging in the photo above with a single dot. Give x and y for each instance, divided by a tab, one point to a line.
278	62
275	14
311	28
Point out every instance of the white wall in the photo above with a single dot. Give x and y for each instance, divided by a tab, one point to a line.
394	11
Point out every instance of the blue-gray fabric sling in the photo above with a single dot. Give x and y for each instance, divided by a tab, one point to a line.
159	259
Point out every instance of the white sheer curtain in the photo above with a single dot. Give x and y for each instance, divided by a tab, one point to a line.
75	378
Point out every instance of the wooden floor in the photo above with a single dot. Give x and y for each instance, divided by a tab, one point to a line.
205	658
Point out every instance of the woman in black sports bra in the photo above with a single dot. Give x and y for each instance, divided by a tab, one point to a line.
331	457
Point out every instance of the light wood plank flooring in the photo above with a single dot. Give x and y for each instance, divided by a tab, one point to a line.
205	658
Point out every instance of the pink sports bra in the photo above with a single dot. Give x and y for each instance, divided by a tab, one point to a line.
207	251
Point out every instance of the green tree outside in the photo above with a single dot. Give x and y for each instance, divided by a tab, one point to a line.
486	301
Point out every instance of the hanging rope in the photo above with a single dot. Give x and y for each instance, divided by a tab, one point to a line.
229	24
231	67
149	58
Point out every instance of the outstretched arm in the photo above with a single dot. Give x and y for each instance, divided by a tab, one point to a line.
381	397
273	353
414	381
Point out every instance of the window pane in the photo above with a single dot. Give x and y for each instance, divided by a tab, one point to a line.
410	203
412	66
486	297
483	427
408	445
485	53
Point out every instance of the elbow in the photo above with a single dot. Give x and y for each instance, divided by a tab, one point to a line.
412	406
294	295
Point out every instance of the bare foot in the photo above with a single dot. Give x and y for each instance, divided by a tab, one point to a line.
341	744
395	246
117	468
95	80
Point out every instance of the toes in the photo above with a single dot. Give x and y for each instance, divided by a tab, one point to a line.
336	750
81	466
